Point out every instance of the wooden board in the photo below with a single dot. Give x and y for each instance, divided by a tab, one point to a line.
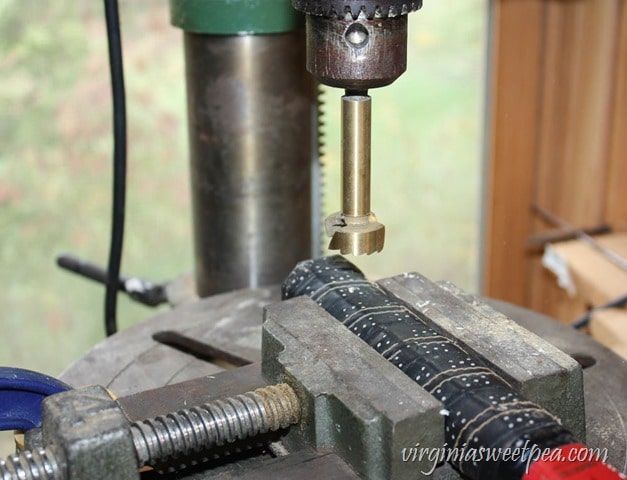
517	33
610	328
596	280
557	136
616	202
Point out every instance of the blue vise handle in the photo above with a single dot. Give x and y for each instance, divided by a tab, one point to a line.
21	394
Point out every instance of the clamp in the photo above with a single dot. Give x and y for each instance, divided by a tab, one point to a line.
21	394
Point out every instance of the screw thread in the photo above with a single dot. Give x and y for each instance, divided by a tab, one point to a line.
214	424
27	465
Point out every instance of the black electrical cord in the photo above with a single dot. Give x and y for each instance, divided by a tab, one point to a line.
114	40
585	318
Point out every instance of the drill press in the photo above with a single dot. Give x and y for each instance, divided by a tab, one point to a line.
356	45
350	412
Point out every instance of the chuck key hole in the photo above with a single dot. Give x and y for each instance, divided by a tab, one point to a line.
356	35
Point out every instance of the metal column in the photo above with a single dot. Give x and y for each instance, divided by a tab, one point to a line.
252	123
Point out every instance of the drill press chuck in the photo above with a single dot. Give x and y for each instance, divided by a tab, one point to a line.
370	8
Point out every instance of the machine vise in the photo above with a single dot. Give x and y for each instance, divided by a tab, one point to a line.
316	399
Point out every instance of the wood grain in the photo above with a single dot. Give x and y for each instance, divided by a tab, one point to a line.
616	197
517	33
558	136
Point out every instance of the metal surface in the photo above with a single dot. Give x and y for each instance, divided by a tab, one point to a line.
86	434
297	466
370	8
355	229
534	367
356	54
132	362
89	435
356	46
252	123
36	465
317	180
193	430
354	404
200	390
356	126
604	379
239	462
139	289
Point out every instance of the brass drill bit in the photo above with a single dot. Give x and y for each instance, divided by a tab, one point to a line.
356	126
355	229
